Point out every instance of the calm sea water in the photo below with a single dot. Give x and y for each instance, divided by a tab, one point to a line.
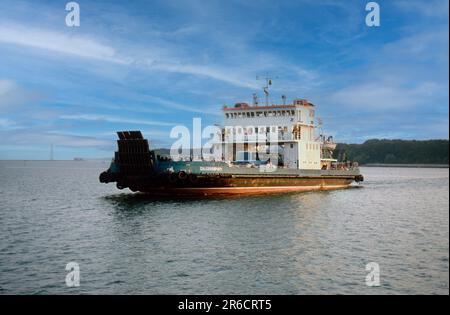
53	213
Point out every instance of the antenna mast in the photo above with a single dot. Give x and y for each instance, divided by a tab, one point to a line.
266	87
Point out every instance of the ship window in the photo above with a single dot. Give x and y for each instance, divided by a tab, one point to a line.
292	146
253	114
248	114
227	115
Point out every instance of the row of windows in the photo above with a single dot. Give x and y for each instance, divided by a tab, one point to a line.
309	146
270	113
260	130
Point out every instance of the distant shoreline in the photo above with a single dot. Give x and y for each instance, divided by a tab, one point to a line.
406	165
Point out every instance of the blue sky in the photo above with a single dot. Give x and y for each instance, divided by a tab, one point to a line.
151	65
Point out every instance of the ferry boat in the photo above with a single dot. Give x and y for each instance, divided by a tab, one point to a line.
260	149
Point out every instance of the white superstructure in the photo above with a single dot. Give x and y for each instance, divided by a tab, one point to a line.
253	132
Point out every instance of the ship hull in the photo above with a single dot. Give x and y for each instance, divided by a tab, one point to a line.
227	191
235	185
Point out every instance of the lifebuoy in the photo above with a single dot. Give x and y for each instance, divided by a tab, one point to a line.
182	175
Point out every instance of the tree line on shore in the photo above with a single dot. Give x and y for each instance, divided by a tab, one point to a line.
394	152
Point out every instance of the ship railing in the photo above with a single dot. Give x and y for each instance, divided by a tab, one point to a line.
344	166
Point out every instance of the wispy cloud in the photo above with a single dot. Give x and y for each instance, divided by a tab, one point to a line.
430	8
85	47
155	56
58	42
380	96
179	106
12	96
113	119
47	138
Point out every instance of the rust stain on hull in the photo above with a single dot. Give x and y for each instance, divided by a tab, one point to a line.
217	191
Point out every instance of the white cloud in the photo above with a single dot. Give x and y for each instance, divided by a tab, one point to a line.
44	138
12	96
383	95
6	123
207	71
430	8
183	107
113	119
165	58
6	86
58	42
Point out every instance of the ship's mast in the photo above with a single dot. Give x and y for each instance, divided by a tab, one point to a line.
266	87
